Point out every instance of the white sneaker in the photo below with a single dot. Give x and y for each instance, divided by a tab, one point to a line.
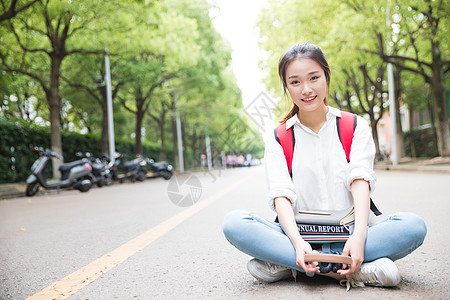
267	272
381	272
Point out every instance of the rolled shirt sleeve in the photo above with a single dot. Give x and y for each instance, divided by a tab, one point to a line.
278	179
362	156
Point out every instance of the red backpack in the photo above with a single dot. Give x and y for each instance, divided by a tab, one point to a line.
346	125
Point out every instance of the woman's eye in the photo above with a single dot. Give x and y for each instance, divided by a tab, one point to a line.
294	82
314	78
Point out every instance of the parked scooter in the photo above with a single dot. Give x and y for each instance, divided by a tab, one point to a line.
134	170
100	171
76	174
159	169
113	165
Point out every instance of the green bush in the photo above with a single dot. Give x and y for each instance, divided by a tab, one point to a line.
18	137
16	156
424	142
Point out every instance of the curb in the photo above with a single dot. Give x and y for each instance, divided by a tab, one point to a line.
17	190
433	165
12	190
414	168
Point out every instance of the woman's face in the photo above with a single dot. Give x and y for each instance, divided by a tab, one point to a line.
306	83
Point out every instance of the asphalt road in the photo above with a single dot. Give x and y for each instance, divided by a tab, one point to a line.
180	252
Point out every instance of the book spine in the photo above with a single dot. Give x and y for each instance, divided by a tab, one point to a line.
325	238
306	229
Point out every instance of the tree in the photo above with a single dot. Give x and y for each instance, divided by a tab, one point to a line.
9	12
159	55
357	77
87	73
207	85
353	38
22	98
156	49
422	29
216	115
39	39
164	105
86	82
364	95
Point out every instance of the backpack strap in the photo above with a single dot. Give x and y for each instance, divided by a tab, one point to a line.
285	137
346	126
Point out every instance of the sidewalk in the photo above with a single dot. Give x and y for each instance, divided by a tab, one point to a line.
436	165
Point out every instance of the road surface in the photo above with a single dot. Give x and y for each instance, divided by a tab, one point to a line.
130	241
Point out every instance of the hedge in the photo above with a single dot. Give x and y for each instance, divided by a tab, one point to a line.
18	137
424	142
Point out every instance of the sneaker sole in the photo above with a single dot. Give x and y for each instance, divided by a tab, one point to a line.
256	272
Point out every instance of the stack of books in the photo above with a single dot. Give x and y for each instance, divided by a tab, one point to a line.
323	226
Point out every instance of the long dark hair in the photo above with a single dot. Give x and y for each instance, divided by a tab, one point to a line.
298	51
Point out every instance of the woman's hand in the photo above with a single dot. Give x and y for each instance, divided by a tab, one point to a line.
301	248
354	247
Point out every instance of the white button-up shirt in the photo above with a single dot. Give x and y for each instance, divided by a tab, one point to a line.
321	175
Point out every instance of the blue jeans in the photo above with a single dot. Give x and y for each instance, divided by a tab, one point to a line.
395	237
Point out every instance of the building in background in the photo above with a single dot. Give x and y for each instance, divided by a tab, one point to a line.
410	119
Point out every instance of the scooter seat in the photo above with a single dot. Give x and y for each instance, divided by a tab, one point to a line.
160	165
98	167
67	166
132	163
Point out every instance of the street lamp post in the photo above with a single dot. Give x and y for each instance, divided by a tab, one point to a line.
179	138
394	152
112	149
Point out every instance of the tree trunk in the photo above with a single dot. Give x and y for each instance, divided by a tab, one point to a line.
411	132
139	118
442	130
162	151
183	136
194	148
54	103
432	119
440	105
373	126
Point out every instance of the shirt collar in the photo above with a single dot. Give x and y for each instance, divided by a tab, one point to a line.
331	112
291	121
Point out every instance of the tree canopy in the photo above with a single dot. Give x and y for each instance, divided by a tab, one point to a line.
355	39
52	58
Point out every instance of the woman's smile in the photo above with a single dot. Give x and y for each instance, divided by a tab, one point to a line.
309	99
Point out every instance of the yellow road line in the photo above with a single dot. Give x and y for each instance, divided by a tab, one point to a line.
76	281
